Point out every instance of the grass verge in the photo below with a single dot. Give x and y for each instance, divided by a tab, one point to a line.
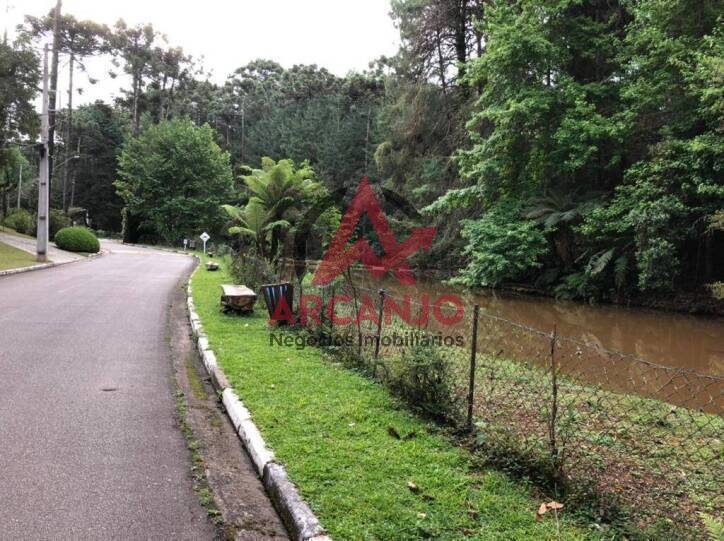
331	428
11	231
13	258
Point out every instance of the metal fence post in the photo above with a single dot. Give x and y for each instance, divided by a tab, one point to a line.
321	314
473	360
379	325
554	405
331	314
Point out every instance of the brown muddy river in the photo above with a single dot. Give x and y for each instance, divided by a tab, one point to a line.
648	340
674	357
664	338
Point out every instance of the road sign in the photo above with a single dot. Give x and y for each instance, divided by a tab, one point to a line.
204	237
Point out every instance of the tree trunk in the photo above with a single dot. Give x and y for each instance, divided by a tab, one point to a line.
72	183
53	90
461	46
441	61
136	91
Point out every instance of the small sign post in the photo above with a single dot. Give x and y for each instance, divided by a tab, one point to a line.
204	237
186	244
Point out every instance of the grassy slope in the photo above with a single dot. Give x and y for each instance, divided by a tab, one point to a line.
12	258
10	231
329	426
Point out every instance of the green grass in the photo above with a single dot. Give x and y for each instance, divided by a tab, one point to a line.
330	427
12	258
11	231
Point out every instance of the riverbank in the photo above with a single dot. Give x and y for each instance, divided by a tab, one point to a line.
367	467
629	437
700	303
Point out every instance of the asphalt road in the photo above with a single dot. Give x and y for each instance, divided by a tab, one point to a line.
89	443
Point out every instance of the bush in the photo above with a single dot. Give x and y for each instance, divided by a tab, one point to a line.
21	221
77	239
501	246
252	271
58	220
426	381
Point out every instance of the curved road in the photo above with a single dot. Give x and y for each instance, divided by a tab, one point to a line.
90	445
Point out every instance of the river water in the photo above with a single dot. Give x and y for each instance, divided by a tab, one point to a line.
664	355
665	338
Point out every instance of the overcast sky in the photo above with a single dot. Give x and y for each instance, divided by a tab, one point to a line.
340	35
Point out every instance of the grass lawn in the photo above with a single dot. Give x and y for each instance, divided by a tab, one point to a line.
12	258
11	231
331	428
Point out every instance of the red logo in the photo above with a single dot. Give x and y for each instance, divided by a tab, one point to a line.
337	259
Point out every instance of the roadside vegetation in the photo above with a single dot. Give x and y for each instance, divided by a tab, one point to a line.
368	467
12	258
77	239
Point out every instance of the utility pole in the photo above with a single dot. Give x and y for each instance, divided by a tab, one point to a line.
20	183
43	180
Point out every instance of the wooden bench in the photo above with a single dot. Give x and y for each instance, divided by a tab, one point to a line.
237	298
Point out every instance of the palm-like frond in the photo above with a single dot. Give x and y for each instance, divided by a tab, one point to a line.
598	263
555	209
620	270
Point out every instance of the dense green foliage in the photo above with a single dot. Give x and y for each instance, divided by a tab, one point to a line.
77	239
58	220
611	112
512	247
18	87
21	221
575	146
174	178
100	130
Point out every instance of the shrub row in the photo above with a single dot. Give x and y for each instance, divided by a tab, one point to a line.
26	223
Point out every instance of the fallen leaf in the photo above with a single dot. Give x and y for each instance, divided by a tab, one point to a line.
421	515
413	487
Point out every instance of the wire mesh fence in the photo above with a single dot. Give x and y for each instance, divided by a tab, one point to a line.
630	431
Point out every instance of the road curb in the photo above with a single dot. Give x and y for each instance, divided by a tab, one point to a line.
301	522
44	266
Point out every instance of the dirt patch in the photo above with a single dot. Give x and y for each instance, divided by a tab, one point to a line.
235	497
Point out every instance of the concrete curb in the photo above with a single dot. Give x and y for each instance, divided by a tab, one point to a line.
301	522
43	266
